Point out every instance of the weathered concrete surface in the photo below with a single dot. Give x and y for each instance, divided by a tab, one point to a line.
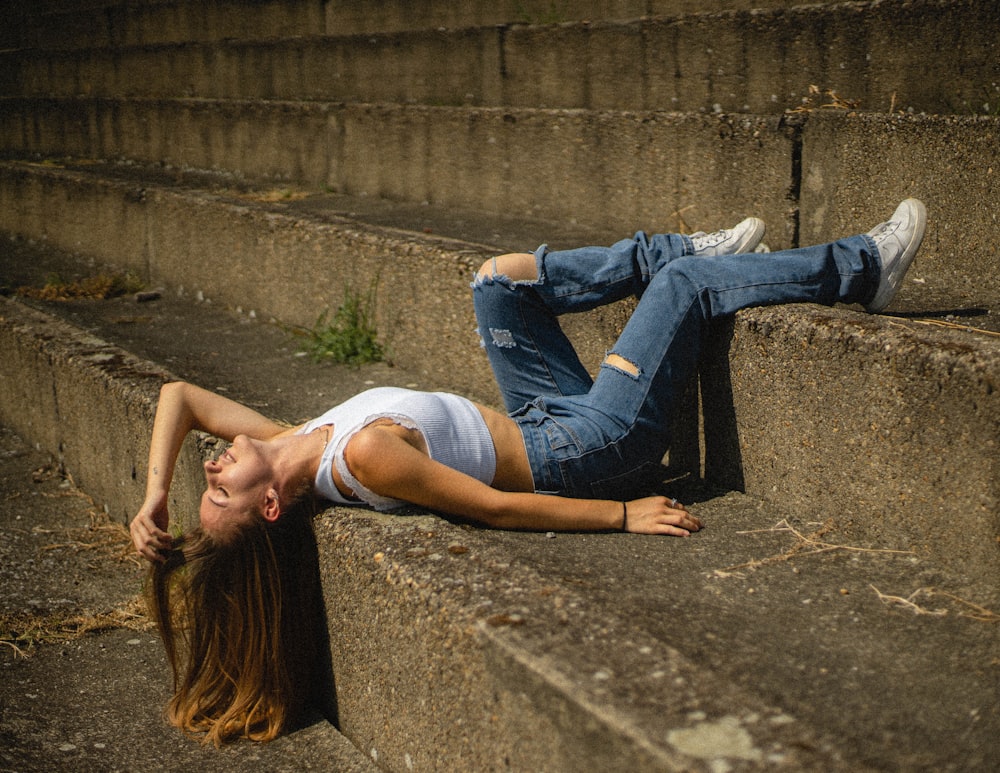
84	400
457	647
78	24
950	163
87	693
909	420
880	443
287	262
277	264
760	62
607	653
667	169
811	178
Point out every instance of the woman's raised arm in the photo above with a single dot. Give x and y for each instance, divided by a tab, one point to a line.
183	407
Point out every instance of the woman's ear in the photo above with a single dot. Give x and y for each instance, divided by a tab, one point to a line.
272	506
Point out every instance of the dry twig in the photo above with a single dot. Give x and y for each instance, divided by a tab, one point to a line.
970	609
956	326
807	545
835	101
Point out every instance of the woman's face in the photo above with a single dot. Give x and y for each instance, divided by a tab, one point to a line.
237	482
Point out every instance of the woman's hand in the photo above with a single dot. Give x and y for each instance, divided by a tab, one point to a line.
660	515
149	528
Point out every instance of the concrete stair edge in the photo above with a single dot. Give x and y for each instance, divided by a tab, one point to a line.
729	64
448	642
112	23
89	389
773	367
812	179
762	62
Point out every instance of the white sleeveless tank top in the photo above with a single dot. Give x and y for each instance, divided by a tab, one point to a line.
453	428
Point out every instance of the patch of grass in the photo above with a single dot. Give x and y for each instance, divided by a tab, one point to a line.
99	287
23	631
274	195
349	335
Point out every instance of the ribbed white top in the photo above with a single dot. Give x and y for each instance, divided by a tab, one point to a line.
453	428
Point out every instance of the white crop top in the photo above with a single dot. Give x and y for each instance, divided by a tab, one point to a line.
453	428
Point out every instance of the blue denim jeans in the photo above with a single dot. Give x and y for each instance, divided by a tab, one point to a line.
598	437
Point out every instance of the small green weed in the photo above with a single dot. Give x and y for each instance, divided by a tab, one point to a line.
349	336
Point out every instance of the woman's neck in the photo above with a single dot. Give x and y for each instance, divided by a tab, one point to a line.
297	458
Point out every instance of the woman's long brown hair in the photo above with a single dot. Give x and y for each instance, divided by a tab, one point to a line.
241	625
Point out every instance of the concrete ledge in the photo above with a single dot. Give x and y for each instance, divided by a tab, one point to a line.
54	25
836	174
462	647
274	263
948	162
757	62
888	417
890	430
500	666
88	403
670	171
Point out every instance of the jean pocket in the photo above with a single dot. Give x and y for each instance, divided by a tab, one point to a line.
559	437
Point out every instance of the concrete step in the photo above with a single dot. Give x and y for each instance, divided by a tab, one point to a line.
95	701
76	23
885	413
873	55
812	177
770	639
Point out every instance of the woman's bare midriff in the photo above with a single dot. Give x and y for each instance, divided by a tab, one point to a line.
513	470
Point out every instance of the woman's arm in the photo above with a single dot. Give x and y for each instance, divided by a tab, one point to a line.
183	407
388	465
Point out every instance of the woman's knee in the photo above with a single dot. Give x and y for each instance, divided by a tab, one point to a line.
516	266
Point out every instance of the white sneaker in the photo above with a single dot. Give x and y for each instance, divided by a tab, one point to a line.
897	241
741	238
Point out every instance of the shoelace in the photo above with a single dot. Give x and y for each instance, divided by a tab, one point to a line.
884	230
709	240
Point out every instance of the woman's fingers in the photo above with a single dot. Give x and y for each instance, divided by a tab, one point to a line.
662	515
148	539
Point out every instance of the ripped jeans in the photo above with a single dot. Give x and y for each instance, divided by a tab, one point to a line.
597	438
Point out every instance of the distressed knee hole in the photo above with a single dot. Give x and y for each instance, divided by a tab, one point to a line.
515	266
502	338
619	363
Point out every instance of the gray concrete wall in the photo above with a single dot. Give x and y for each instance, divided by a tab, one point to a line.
82	23
276	264
829	176
949	162
873	55
89	404
662	171
896	427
